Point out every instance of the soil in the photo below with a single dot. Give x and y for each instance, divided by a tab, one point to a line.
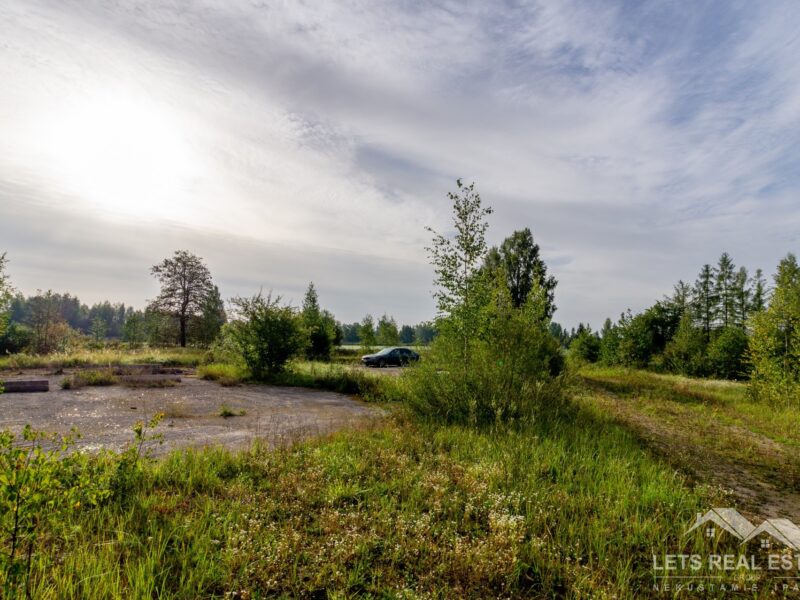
105	416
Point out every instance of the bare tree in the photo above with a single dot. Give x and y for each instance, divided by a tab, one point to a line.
185	288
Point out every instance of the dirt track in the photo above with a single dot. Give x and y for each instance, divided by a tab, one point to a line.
106	415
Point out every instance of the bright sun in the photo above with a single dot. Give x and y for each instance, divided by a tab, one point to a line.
122	154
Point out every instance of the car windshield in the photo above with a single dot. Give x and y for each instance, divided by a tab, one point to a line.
384	352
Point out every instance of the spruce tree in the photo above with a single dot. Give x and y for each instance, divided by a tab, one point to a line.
704	300
724	289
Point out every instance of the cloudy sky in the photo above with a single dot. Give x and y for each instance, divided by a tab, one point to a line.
294	141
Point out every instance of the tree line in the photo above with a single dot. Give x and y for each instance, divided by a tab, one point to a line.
713	327
188	310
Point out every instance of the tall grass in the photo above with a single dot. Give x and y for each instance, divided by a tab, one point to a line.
563	508
179	357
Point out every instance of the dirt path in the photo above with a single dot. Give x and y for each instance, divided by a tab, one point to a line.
760	486
105	415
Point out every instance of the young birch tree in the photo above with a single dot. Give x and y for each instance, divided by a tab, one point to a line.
461	287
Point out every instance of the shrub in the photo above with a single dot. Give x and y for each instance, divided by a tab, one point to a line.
585	347
727	354
267	335
509	374
686	352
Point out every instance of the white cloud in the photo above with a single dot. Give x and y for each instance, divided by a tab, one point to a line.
637	142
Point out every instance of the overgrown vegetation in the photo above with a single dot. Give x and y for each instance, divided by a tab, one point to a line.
401	509
99	377
494	361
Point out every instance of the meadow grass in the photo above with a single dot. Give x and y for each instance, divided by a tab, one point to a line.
179	357
726	401
568	507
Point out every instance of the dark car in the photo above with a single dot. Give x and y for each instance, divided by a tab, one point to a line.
398	357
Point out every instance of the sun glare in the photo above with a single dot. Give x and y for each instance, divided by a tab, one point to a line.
123	155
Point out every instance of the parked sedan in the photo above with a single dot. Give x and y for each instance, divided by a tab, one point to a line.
398	357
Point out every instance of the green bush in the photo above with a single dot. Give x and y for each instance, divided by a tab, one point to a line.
510	374
686	352
267	335
585	347
727	354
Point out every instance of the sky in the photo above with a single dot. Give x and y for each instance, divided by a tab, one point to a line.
286	142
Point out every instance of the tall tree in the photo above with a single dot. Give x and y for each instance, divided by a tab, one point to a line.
775	343
207	326
387	334
518	256
407	335
366	332
704	299
320	327
758	297
185	288
461	289
724	289
741	298
6	294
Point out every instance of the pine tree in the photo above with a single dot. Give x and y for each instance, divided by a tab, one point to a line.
320	327
704	300
724	289
758	297
741	298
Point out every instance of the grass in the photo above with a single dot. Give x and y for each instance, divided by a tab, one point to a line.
94	377
227	412
224	373
570	507
346	379
709	428
178	357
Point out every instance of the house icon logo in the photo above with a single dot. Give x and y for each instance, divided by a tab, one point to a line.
732	522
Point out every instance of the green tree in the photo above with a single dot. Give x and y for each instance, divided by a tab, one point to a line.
462	288
267	334
133	331
512	368
320	327
705	300
742	298
98	329
407	335
518	255
609	343
686	351
758	296
775	342
366	332
206	327
387	334
49	331
727	354
724	289
185	288
586	346
424	333
6	294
